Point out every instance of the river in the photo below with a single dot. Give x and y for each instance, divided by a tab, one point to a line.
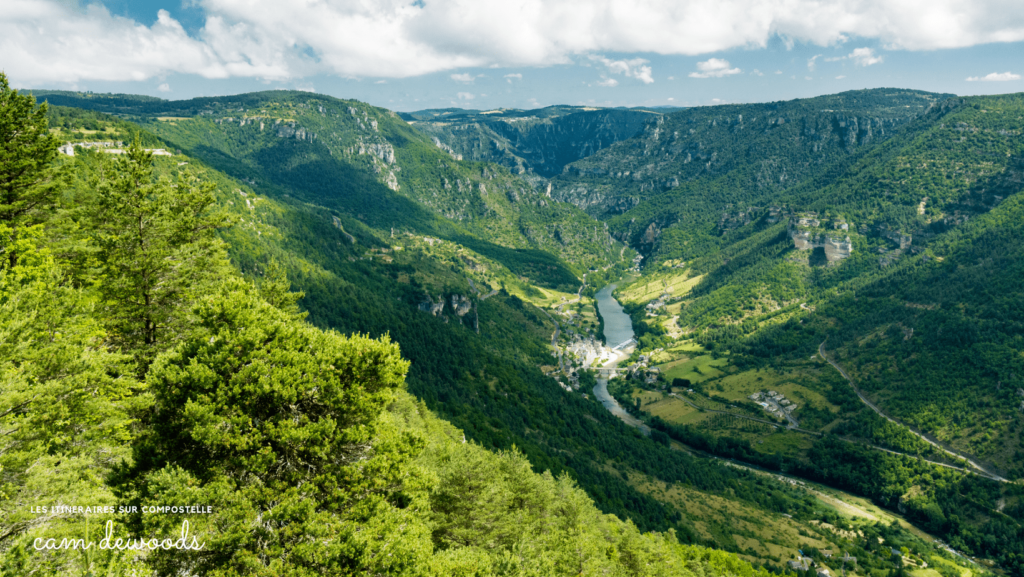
618	329
617	326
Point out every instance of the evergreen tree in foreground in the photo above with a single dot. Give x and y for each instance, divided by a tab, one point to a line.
28	181
158	249
278	425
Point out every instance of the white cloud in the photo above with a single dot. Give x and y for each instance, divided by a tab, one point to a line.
778	72
864	57
995	77
810	62
757	72
608	82
67	41
634	68
840	77
45	41
466	78
510	77
465	96
714	68
164	87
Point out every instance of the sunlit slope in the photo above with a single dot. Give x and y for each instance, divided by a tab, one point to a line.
370	164
666	188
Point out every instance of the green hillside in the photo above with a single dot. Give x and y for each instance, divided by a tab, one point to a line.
475	360
370	164
140	365
921	308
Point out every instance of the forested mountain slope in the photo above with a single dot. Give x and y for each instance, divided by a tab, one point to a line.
902	262
689	166
138	367
475	350
533	143
917	211
370	164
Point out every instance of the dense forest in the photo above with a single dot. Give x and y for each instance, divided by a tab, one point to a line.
153	354
923	312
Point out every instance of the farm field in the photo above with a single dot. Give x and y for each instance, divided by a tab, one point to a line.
675	282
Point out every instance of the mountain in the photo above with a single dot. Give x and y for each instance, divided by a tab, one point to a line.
728	155
536	144
892	252
470	310
368	163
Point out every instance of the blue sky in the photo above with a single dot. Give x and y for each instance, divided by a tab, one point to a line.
515	53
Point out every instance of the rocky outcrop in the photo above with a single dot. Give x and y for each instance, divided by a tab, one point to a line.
836	248
434	308
293	131
382	150
461	305
446	148
805	233
898	237
651	234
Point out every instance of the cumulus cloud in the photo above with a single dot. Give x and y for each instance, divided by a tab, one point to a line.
60	41
810	62
634	68
864	57
48	41
995	77
840	77
164	87
463	77
757	72
608	82
465	96
510	77
714	68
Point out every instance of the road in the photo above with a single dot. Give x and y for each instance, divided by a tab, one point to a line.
817	434
926	438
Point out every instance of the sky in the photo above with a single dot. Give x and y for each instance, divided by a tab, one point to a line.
484	54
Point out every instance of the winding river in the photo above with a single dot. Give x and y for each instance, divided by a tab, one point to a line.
618	329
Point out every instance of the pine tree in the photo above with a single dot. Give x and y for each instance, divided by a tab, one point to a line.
28	181
280	427
158	248
63	418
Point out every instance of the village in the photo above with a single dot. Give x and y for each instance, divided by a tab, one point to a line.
775	403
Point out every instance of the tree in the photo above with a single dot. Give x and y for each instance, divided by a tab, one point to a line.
158	248
280	427
63	414
28	182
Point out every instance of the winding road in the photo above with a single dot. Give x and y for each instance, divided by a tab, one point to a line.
926	438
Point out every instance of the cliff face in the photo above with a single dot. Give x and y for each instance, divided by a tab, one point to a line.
538	143
765	148
806	232
836	247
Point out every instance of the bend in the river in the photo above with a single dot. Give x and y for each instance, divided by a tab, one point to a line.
618	329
